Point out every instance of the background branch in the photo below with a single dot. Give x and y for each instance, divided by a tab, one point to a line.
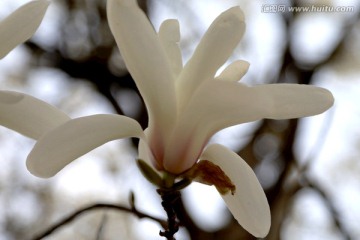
102	206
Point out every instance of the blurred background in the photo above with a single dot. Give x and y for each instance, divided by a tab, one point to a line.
309	168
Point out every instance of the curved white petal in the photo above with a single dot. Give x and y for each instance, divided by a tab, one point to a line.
61	146
220	104
169	34
28	115
21	25
214	49
248	205
235	71
147	62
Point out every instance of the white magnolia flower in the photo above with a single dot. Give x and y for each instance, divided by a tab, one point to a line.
186	104
21	25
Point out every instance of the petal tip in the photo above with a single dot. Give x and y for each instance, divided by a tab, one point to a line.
124	3
172	28
329	96
237	12
26	19
37	171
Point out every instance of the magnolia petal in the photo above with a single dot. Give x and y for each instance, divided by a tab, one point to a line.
169	34
62	145
286	101
213	51
235	71
21	25
228	103
28	115
147	62
220	104
248	205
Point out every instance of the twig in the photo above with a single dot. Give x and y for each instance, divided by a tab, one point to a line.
74	215
169	197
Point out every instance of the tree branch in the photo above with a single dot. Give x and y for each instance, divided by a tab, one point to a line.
96	206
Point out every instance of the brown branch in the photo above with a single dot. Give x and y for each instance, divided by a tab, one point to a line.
169	198
96	206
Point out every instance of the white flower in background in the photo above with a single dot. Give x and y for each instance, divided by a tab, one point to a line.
21	25
187	105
